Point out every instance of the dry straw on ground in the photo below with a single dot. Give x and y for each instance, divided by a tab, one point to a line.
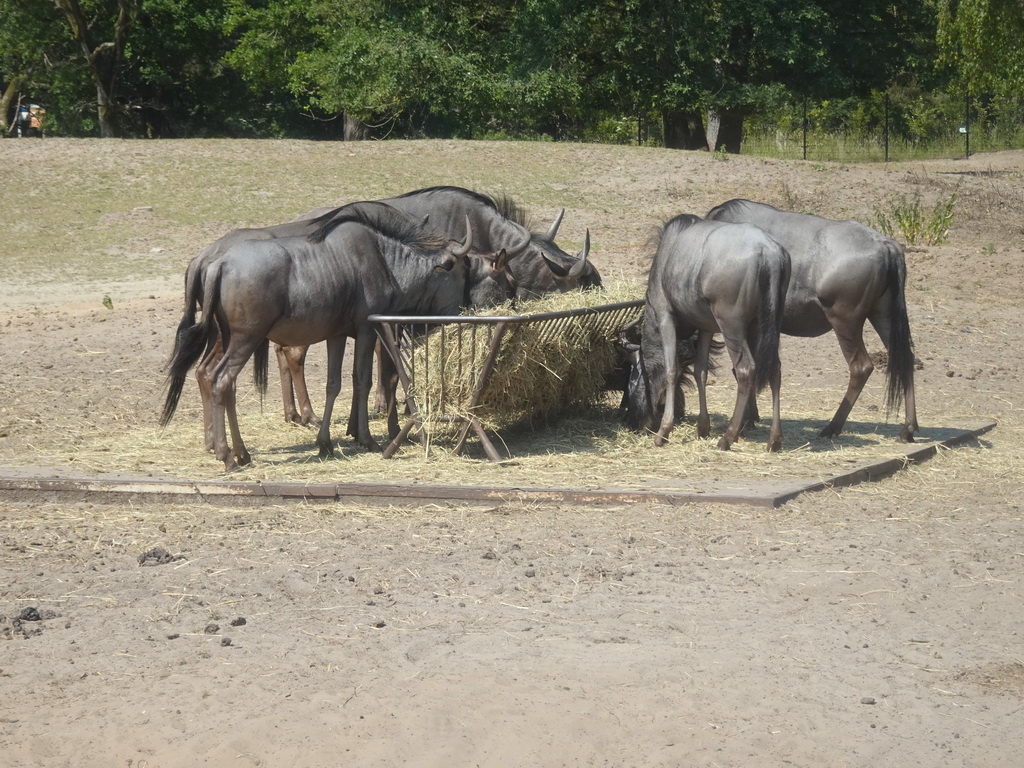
587	449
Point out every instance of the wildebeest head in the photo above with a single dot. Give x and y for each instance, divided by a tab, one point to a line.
546	268
499	222
645	392
489	280
569	274
644	399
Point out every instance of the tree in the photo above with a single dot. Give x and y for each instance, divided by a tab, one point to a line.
175	82
683	61
828	48
104	58
983	42
27	39
472	65
366	61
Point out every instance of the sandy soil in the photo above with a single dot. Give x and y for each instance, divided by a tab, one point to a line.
877	625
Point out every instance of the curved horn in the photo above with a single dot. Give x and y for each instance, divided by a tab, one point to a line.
464	249
550	236
581	265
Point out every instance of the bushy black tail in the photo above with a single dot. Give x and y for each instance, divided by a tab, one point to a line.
773	297
259	366
191	340
900	369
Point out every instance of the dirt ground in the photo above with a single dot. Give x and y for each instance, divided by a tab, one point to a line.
876	625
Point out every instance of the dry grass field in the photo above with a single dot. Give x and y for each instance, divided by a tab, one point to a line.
877	624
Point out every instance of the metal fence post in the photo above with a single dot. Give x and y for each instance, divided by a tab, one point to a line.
887	127
967	127
805	127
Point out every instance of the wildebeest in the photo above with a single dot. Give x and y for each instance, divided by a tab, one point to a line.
539	266
364	258
301	227
291	360
499	222
843	274
709	277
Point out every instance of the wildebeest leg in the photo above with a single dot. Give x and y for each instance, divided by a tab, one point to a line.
335	357
296	361
910	420
387	381
667	327
700	375
222	396
775	433
204	376
850	334
387	387
291	413
238	447
353	411
365	341
381	398
743	367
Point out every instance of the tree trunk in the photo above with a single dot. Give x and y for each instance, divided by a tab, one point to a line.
7	98
730	131
714	125
105	113
105	59
355	130
684	129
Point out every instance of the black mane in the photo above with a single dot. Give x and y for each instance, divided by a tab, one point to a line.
503	204
381	217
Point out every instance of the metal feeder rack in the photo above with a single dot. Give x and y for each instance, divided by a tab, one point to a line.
402	336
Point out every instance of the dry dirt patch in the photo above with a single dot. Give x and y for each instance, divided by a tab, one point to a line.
846	628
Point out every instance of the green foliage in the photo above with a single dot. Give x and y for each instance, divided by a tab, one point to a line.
980	42
563	69
908	220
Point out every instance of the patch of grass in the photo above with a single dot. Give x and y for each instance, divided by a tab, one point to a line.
908	220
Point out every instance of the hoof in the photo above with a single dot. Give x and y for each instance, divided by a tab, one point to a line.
724	444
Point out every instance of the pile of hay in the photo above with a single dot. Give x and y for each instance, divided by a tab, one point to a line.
542	366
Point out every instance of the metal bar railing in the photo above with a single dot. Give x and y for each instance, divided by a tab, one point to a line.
402	335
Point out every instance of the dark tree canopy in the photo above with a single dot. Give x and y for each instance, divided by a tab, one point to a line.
523	68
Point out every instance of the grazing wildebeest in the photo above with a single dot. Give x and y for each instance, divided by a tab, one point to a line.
365	258
295	396
709	277
499	223
843	274
539	266
301	227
